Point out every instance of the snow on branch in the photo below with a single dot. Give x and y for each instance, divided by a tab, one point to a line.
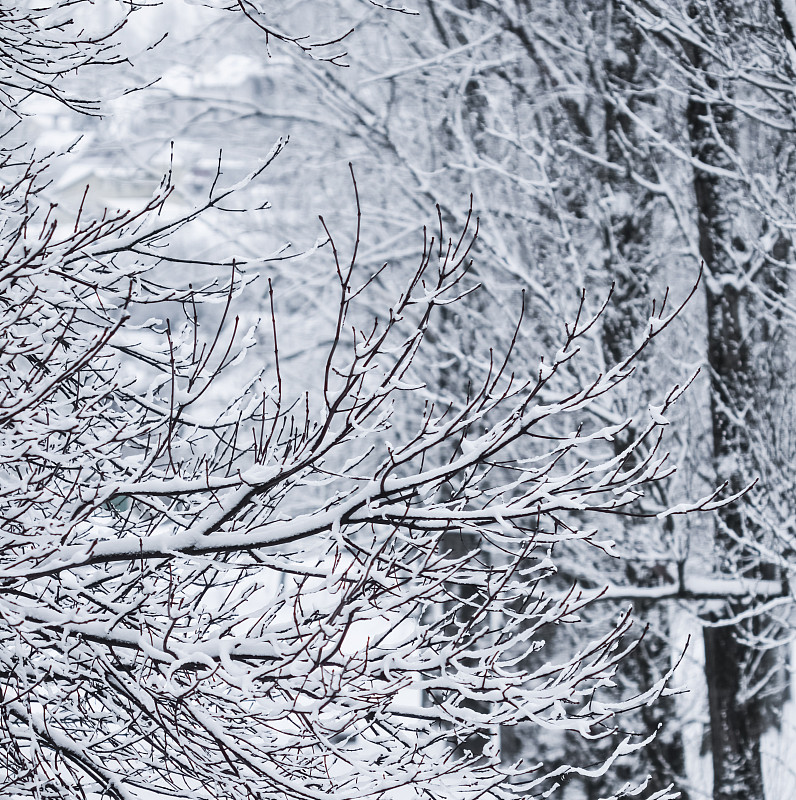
219	580
263	599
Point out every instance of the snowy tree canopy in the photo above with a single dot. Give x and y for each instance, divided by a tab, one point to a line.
226	558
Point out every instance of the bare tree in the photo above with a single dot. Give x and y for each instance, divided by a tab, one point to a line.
231	602
222	581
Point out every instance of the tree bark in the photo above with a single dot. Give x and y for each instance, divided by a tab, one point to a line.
737	337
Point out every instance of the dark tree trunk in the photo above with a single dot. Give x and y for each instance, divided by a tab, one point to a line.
734	725
739	337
